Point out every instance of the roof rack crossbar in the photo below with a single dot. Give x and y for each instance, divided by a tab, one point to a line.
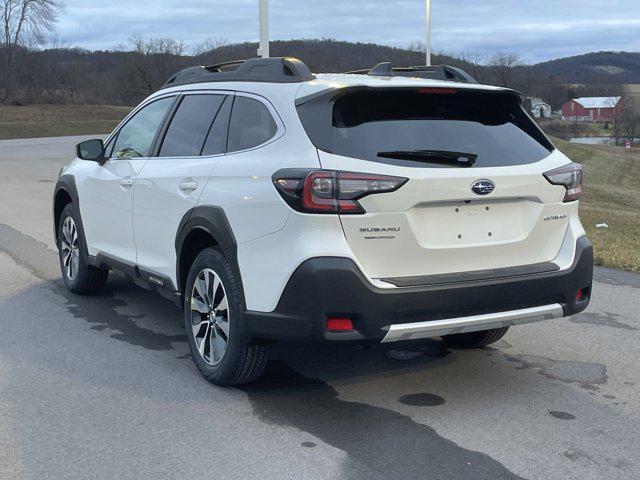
435	72
273	70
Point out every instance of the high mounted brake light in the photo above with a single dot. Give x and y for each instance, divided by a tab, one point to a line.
570	177
328	191
437	90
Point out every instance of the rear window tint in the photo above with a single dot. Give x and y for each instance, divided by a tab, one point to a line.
364	123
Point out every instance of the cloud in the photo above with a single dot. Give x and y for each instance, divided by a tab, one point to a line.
535	29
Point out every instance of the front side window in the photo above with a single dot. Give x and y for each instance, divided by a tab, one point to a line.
136	136
251	124
190	125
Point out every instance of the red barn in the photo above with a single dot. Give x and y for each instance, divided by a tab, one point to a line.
591	109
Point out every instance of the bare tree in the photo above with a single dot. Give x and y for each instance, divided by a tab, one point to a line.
208	46
504	64
152	62
525	79
626	124
477	61
57	43
417	46
24	23
550	88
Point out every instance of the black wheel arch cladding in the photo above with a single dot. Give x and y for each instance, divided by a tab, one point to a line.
66	185
214	222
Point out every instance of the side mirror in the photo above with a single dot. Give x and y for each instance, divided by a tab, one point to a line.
92	150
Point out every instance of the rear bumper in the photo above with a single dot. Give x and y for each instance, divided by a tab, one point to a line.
335	287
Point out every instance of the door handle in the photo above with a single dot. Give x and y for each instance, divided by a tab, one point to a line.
126	182
188	186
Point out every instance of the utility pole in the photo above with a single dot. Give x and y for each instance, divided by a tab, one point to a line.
263	50
428	44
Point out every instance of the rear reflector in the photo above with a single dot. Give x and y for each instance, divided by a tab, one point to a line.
339	324
579	295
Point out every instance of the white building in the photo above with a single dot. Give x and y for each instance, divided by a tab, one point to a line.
540	108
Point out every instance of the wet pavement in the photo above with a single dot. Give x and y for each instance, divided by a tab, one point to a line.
104	387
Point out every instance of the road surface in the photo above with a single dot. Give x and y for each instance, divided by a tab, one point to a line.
103	387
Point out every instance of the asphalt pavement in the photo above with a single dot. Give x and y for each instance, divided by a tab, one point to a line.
103	387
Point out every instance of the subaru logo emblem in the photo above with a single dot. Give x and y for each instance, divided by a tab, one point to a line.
483	187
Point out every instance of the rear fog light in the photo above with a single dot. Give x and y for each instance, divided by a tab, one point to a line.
339	324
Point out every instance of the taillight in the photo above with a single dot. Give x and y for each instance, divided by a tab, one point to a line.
570	177
328	191
319	192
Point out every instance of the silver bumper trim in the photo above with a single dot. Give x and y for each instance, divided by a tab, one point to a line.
449	326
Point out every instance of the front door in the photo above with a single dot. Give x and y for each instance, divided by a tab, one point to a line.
107	191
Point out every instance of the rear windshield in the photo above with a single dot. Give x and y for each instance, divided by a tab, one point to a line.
492	127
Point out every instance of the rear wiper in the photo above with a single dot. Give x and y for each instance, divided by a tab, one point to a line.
461	159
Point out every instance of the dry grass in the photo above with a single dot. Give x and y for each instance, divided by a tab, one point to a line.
611	196
56	120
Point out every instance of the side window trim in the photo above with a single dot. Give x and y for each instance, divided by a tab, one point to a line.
178	96
109	144
227	98
226	143
164	126
113	138
274	115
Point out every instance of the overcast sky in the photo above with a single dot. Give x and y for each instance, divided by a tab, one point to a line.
535	29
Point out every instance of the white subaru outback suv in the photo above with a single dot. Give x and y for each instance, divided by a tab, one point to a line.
273	204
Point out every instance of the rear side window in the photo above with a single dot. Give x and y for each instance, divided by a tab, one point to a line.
217	139
251	124
399	126
190	125
136	136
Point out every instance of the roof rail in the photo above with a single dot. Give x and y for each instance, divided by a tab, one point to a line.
435	72
274	70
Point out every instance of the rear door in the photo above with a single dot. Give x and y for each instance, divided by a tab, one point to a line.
171	183
451	144
241	182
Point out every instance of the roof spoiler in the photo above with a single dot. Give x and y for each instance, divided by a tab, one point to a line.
434	72
274	70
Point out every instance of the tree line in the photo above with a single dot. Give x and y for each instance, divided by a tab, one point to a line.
33	72
60	74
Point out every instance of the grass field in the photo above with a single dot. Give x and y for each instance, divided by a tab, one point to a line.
611	196
55	120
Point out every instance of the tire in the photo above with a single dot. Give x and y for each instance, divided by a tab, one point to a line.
230	361
78	275
475	339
